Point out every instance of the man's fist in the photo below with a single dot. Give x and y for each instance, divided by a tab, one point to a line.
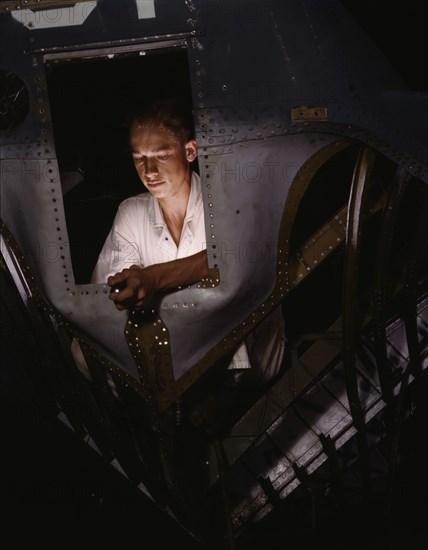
132	288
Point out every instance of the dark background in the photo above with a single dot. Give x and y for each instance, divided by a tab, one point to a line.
399	30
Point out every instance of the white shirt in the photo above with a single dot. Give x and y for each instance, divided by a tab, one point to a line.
140	236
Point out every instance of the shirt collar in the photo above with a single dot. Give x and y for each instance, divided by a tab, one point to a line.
195	199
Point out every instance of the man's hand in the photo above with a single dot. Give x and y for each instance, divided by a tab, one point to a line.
135	287
137	284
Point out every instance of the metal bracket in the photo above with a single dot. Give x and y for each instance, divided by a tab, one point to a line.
308	114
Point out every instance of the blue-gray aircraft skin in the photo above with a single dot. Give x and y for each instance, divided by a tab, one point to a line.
280	92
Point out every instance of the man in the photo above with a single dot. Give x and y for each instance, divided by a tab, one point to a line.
150	230
157	241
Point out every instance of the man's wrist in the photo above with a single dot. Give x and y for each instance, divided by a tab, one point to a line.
154	276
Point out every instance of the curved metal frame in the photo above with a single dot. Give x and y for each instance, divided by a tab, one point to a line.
143	330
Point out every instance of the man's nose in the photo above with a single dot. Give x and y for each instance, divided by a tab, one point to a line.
151	167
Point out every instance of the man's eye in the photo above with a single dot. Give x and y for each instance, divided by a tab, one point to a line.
162	157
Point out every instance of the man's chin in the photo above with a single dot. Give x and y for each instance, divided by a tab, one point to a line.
156	189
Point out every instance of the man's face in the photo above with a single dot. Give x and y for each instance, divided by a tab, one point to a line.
162	162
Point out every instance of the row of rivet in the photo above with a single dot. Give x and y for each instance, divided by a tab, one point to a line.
322	127
284	53
12	6
62	321
59	229
133	341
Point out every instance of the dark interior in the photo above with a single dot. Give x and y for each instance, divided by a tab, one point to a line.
91	101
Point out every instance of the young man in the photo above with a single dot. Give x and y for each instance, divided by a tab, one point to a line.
162	226
157	241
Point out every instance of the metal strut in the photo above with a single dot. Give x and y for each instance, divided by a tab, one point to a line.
361	177
383	256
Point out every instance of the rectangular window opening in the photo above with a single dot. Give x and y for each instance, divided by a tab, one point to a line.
91	100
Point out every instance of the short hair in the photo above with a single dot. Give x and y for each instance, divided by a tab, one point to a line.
169	113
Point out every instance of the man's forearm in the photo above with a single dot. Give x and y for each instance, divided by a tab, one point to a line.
184	271
141	283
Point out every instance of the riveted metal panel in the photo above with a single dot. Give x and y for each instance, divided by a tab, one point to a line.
250	149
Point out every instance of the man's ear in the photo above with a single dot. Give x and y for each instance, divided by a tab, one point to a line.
191	150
